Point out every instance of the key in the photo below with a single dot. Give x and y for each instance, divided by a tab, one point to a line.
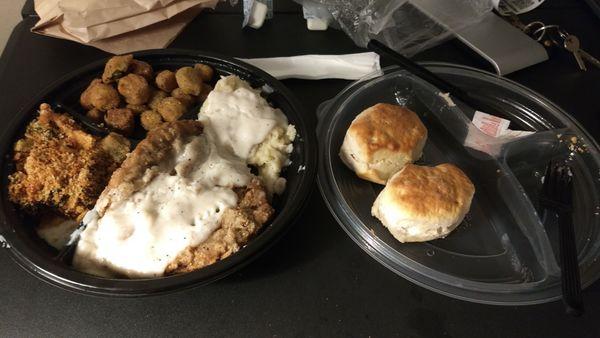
589	58
571	43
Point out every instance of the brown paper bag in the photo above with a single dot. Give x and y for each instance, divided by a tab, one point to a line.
110	27
84	13
155	30
48	11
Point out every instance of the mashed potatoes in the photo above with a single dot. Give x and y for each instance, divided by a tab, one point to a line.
272	155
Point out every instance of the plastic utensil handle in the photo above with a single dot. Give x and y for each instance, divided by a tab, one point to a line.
571	285
68	249
430	77
415	68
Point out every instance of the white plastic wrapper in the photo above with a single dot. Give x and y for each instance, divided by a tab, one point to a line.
493	126
508	7
256	12
407	26
316	15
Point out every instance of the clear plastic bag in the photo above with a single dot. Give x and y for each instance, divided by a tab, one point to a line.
407	26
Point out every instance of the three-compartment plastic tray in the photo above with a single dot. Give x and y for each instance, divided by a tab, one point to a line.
506	250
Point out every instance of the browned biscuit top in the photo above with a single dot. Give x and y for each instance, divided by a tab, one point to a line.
387	126
430	191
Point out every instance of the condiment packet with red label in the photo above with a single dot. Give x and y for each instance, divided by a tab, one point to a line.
489	124
493	126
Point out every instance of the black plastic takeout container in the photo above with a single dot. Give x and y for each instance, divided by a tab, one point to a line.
31	253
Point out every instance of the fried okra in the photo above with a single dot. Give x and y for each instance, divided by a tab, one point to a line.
100	96
206	89
142	68
135	89
121	119
85	99
130	88
189	80
157	95
187	100
95	115
206	71
137	108
170	109
165	80
150	119
116	67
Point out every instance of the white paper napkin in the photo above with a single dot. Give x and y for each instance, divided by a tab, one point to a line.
316	67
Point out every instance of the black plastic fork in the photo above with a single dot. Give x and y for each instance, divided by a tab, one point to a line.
557	197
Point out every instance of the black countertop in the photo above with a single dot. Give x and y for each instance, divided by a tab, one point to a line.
315	281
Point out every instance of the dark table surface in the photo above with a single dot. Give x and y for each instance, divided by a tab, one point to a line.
315	281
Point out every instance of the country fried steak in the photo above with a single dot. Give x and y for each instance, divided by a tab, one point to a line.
150	183
238	226
143	162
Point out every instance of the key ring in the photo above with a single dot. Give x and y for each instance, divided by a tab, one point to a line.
563	33
539	30
530	25
543	30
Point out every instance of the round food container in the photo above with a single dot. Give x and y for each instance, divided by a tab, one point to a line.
506	250
17	230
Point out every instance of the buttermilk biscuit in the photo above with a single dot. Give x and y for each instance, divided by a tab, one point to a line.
382	140
424	203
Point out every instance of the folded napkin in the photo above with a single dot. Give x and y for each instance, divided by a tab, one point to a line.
316	67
